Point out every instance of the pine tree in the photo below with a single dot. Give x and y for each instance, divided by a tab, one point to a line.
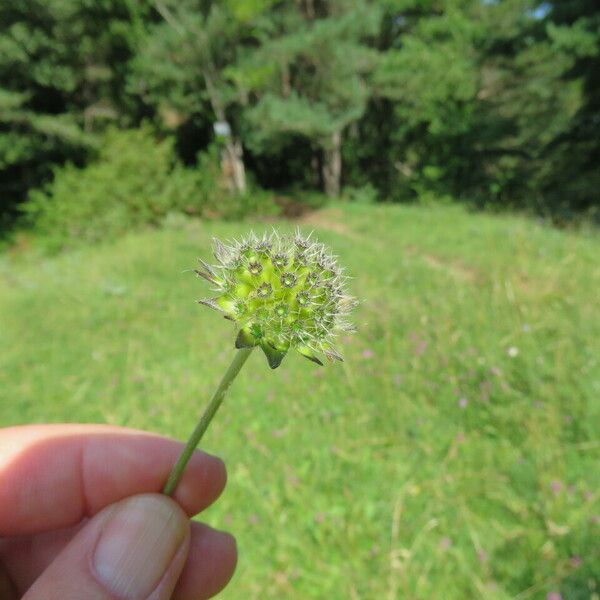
309	77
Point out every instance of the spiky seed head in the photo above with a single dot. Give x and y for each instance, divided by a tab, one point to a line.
282	292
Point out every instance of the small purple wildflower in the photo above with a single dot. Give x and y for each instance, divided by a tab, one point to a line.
556	486
368	353
553	596
445	543
463	402
420	347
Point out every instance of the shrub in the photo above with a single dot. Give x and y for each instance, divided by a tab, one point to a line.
218	202
366	194
135	181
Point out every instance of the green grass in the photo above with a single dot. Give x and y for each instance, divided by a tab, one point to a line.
454	455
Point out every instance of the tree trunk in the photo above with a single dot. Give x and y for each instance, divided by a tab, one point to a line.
332	165
232	158
286	82
308	7
233	167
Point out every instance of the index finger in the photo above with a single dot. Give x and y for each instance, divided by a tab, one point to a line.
52	476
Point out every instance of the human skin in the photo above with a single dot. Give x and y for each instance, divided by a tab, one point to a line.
66	489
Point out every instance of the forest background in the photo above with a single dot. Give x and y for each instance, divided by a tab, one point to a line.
250	106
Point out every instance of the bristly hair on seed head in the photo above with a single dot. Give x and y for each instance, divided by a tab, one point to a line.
282	292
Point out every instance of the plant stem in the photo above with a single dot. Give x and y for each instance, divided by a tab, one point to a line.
234	368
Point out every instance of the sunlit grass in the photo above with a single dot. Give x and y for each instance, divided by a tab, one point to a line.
455	453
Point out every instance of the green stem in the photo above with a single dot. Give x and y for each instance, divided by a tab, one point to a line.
234	368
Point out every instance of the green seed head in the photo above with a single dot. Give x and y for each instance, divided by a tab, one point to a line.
282	292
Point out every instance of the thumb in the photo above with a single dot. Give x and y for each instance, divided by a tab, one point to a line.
132	550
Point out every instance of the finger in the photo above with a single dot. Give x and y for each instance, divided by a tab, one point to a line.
51	476
7	588
210	564
26	557
132	550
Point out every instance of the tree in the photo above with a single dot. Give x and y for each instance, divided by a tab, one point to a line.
62	72
429	73
573	179
309	77
183	62
493	101
537	106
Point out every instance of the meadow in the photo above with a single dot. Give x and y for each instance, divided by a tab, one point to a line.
453	455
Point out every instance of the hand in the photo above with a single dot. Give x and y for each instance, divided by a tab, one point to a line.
81	517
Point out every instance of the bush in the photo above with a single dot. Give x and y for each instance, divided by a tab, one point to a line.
366	194
218	202
135	181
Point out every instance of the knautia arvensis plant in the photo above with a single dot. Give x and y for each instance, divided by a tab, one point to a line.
282	292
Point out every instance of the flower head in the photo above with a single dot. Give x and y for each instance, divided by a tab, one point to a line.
282	292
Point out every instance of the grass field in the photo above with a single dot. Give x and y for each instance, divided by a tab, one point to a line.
454	455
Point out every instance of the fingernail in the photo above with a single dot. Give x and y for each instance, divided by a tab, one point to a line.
137	544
